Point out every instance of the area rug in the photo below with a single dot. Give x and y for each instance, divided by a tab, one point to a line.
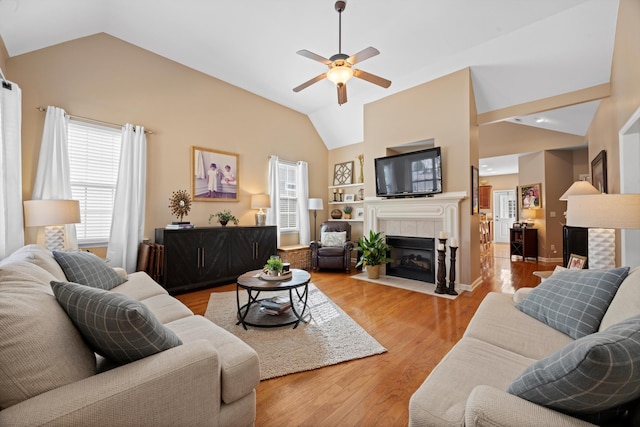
410	285
329	337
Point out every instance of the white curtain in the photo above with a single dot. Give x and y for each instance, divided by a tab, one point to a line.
273	214
53	175
11	225
302	186
127	226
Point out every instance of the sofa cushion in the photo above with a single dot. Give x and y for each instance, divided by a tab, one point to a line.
595	373
40	348
626	303
36	254
333	238
574	301
114	325
86	268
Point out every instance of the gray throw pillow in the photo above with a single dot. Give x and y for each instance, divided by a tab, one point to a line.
574	301
87	269
592	374
114	325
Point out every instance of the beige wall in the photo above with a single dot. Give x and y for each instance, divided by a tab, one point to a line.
3	58
104	78
443	110
558	176
503	138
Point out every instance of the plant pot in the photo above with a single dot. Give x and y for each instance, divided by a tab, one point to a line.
347	216
223	223
373	271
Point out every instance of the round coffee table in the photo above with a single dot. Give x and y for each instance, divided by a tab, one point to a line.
250	314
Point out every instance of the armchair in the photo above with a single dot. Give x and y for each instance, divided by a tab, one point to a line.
333	251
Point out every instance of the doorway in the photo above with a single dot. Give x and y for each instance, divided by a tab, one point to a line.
504	202
629	138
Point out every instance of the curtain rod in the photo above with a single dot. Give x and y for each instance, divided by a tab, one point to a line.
86	119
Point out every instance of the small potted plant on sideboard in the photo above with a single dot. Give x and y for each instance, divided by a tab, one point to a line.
224	217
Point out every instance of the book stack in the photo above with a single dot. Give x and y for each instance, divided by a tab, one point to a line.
178	226
275	306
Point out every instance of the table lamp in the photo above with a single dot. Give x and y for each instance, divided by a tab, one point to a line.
530	215
260	201
602	213
315	205
53	215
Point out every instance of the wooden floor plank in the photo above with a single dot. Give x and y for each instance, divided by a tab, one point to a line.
417	330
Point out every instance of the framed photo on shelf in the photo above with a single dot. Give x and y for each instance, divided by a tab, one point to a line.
214	175
349	197
599	171
475	190
530	196
343	173
360	213
576	262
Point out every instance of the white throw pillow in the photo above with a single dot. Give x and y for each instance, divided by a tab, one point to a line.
333	238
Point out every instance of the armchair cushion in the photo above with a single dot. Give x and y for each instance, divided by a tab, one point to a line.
115	326
86	268
333	238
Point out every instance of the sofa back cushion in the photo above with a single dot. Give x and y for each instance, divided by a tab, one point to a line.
574	301
40	348
626	303
36	254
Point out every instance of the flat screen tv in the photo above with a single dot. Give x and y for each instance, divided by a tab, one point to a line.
415	174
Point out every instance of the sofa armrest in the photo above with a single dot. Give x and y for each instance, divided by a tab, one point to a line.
179	386
489	407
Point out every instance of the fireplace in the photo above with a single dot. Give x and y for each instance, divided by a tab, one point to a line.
413	258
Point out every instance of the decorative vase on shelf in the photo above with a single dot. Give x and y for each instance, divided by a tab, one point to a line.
336	214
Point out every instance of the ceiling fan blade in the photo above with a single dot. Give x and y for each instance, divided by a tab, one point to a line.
309	82
314	56
342	93
363	54
372	78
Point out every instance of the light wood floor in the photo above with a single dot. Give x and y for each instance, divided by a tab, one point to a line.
416	329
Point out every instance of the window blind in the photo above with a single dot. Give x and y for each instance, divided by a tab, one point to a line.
94	155
288	197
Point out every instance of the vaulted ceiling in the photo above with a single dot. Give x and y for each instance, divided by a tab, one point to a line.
518	50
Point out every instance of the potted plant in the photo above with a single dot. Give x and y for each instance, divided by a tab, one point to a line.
347	212
224	217
374	253
274	266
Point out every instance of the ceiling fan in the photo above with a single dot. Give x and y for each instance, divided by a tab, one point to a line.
341	65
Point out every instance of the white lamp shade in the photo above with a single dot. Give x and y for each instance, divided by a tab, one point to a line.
260	201
315	205
579	188
39	213
604	211
530	213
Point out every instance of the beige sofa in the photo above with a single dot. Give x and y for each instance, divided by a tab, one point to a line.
468	386
48	375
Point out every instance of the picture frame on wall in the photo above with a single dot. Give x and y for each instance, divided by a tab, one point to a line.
343	173
214	175
530	196
599	171
475	190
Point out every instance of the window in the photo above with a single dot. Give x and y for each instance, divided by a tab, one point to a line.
288	196
94	154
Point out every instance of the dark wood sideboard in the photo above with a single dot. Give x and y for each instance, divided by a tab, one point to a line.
199	258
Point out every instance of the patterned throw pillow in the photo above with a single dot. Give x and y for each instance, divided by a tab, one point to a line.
87	269
333	238
574	301
592	374
114	325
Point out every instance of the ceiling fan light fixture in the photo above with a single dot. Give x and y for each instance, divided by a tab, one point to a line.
340	74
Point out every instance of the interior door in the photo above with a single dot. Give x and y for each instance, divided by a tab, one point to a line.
504	202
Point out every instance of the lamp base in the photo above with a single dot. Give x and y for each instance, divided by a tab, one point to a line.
54	237
602	248
261	219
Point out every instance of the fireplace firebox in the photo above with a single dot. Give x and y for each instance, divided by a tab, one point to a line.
413	258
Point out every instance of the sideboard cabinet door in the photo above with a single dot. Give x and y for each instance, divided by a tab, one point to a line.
252	247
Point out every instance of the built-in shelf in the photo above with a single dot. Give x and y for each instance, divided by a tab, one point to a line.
348	220
347	185
356	202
